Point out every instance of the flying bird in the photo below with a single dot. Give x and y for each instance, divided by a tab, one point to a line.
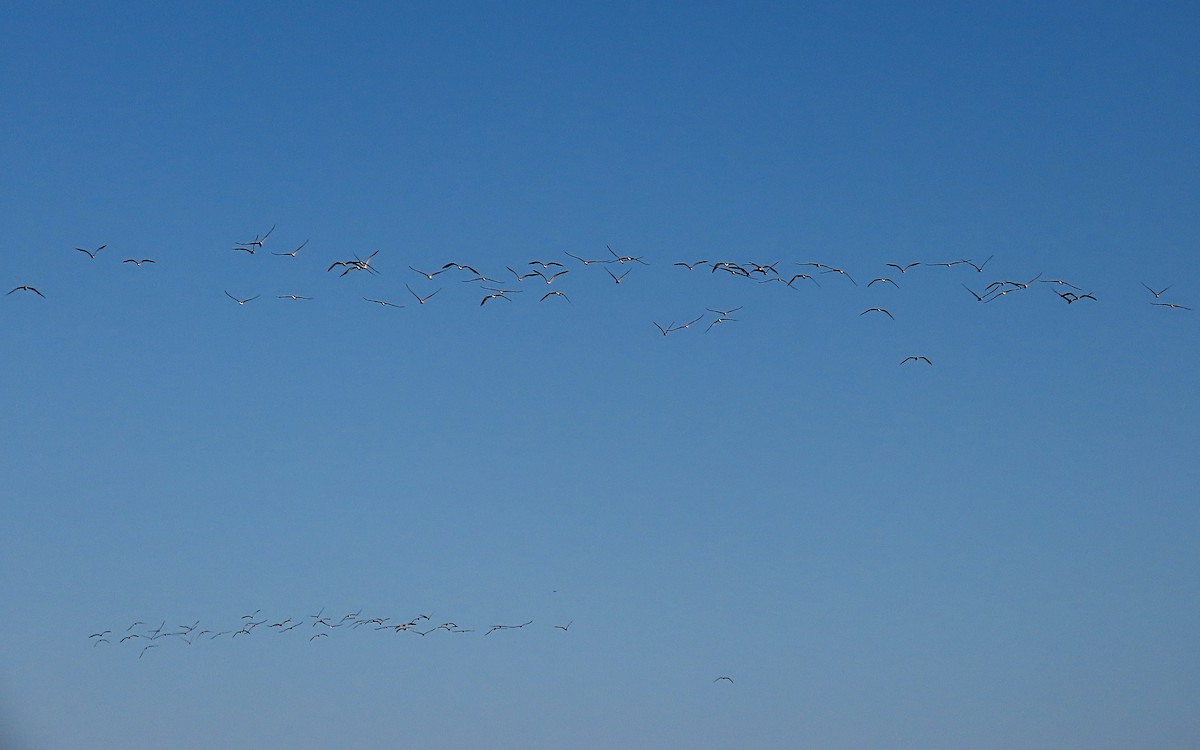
257	241
292	254
1060	282
419	298
980	267
137	262
426	274
916	359
1170	305
626	258
291	296
587	262
723	677
242	301
902	269
554	294
618	278
802	276
724	313
91	253
550	279
500	295
883	280
877	309
25	288
1158	293
843	273
383	302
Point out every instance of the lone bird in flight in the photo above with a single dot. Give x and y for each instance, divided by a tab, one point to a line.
27	289
92	253
723	677
916	359
877	309
137	262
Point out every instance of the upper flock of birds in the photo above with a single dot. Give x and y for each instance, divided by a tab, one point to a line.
531	275
314	627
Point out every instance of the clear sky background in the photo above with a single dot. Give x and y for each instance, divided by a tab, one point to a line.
995	551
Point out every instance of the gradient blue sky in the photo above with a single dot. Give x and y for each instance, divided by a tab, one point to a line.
997	551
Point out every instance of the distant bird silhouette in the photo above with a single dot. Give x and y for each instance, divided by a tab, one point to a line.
25	288
916	359
877	309
91	253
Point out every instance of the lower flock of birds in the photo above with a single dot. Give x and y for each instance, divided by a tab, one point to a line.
143	637
533	274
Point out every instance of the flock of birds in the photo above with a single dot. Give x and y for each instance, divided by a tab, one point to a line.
617	267
141	637
312	628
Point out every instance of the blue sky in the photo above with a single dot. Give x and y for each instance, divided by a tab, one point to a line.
995	551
